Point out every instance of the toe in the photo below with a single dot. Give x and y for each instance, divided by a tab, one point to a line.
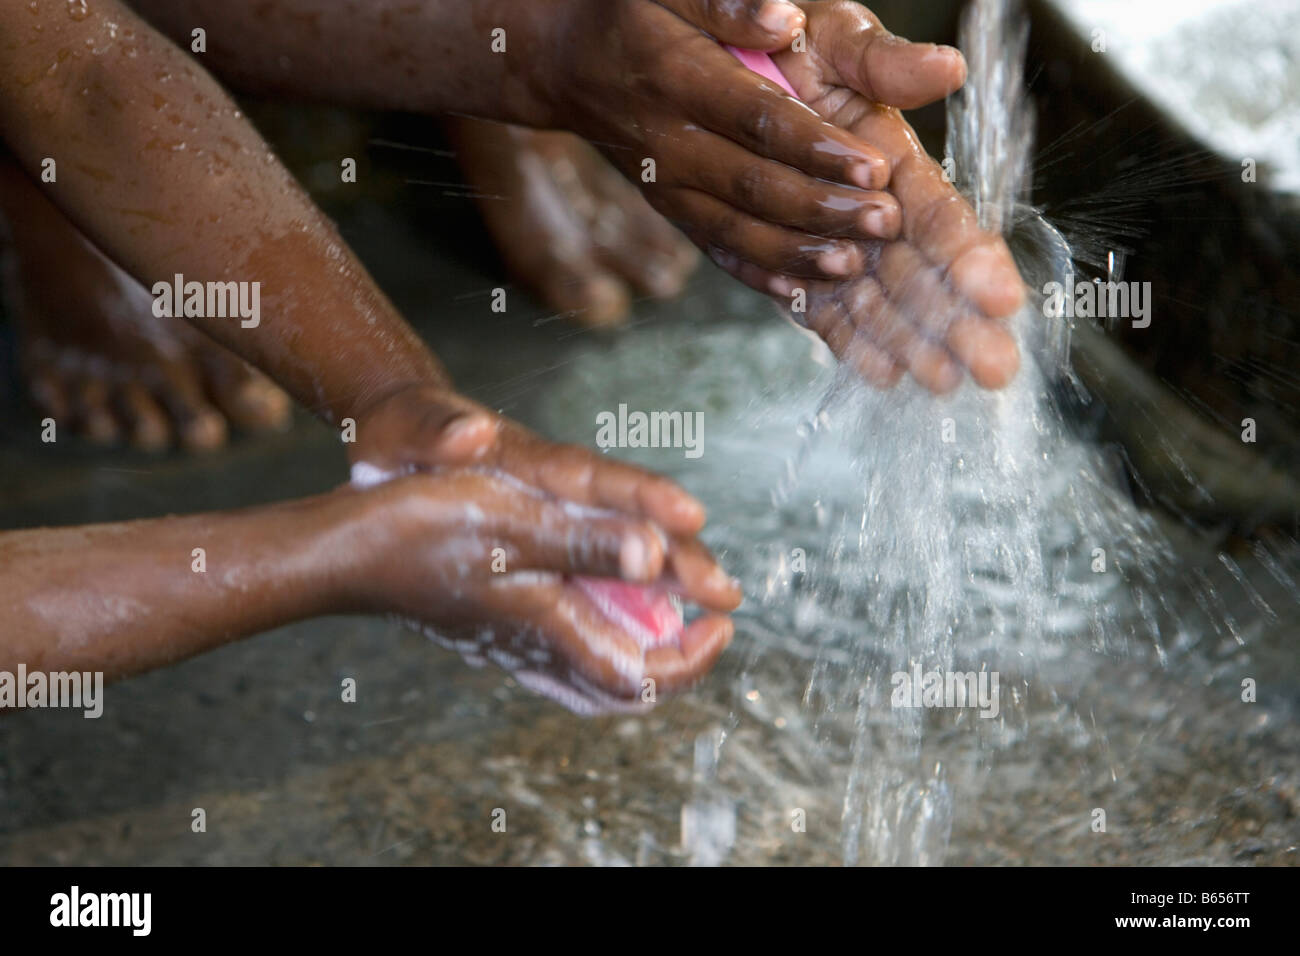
594	297
247	397
94	414
49	393
199	426
639	244
146	423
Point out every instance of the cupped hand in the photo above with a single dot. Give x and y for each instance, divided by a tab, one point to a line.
503	572
729	156
935	302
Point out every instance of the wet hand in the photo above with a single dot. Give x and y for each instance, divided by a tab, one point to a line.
503	572
933	303
422	427
725	154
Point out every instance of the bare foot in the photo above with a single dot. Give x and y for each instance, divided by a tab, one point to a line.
98	360
568	225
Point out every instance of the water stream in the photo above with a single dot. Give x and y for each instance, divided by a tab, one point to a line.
905	534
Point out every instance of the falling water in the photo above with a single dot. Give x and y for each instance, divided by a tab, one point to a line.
981	521
973	533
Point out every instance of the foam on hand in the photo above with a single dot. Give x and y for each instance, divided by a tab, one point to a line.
650	615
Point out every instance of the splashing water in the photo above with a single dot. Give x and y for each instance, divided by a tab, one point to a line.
972	545
908	535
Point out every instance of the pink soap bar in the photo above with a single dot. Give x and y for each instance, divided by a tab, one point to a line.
763	65
647	615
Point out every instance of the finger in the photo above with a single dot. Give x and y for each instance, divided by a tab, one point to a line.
636	242
546	536
917	289
572	626
698	578
834	322
577	474
881	66
745	108
661	270
776	284
985	346
453	430
874	316
677	668
425	427
752	24
790	293
776	193
873	364
945	230
765	245
940	223
583	289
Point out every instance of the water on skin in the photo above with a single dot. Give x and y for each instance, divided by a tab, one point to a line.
975	532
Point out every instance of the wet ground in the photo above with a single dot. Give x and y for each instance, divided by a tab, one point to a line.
415	771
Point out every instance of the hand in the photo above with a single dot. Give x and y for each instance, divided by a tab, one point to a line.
931	303
432	558
738	163
424	427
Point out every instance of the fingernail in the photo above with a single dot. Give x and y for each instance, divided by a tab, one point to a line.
778	17
877	223
463	424
723	260
864	173
945	55
633	558
781	285
720	580
837	262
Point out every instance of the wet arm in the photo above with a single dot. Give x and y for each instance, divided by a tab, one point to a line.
125	598
158	166
429	56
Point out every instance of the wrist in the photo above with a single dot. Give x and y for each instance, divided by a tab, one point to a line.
375	533
351	531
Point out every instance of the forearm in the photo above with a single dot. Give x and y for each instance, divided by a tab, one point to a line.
429	56
125	598
156	164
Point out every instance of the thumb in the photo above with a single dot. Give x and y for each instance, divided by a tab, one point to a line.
424	427
753	24
883	67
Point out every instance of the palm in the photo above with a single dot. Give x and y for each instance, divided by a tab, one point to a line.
933	302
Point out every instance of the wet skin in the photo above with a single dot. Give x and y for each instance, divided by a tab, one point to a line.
631	76
122	598
159	169
151	149
933	303
567	224
95	357
762	182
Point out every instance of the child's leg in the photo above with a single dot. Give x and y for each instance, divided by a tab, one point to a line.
95	356
567	223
